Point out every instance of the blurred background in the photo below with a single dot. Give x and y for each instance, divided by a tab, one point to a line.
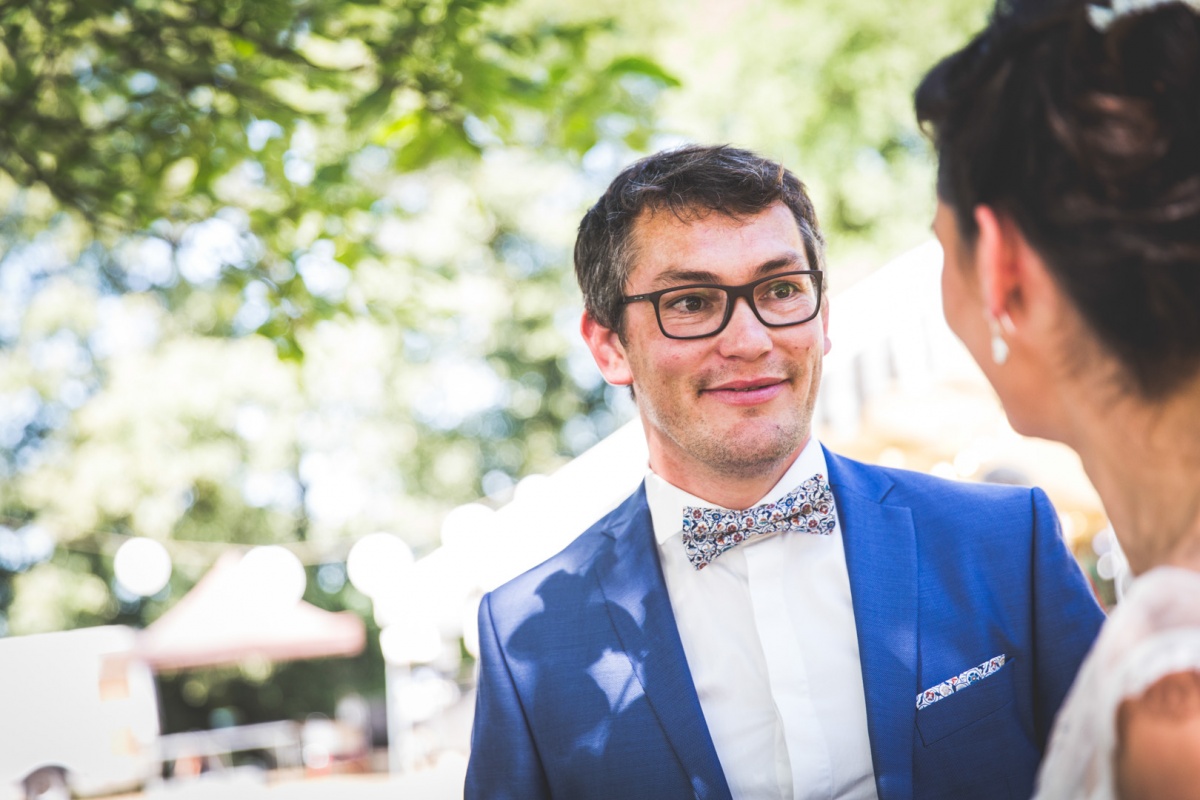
289	364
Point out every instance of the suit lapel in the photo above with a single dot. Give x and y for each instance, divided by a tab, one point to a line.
881	557
633	587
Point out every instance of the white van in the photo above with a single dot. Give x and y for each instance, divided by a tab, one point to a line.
75	705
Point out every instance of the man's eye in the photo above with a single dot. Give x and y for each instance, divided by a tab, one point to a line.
688	304
782	290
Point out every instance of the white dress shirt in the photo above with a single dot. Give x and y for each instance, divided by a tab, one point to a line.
768	630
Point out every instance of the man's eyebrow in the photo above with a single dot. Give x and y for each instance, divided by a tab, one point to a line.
789	261
683	277
680	277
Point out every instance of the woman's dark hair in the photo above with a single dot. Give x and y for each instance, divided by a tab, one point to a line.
1088	136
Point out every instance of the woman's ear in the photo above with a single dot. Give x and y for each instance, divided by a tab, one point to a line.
997	263
607	350
1019	292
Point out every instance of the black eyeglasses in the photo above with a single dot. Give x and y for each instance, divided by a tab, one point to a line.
704	309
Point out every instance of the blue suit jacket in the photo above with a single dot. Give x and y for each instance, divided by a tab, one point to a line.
584	690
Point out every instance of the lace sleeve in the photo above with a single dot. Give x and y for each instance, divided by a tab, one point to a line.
1154	632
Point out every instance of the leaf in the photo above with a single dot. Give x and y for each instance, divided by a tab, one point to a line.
637	65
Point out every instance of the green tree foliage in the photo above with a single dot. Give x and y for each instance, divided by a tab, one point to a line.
826	87
286	116
293	271
274	272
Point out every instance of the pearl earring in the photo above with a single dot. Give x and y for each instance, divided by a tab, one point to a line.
999	346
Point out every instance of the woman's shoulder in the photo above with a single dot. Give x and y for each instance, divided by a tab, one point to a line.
1146	660
1158	740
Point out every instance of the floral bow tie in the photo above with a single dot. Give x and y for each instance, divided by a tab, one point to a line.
709	532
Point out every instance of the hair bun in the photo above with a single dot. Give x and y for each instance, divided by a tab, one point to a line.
1089	138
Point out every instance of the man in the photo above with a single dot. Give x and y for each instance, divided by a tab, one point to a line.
864	633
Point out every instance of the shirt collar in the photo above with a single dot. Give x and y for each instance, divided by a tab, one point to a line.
667	501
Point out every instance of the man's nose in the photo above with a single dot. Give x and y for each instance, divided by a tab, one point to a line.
744	336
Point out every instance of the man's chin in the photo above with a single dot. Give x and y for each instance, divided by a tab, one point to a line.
752	457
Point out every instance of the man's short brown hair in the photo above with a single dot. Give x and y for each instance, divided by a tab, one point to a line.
689	182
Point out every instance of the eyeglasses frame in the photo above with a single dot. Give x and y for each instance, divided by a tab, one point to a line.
744	291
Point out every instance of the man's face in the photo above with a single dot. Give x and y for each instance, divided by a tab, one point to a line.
737	404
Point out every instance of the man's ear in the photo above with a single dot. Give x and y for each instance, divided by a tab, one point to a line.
607	350
825	322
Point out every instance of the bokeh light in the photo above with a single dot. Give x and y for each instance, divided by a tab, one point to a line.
273	575
142	566
376	562
410	640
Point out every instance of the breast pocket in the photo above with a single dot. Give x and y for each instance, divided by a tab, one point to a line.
966	706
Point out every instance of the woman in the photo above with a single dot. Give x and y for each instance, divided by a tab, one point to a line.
1068	140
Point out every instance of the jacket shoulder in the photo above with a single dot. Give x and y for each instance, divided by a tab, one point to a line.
894	486
957	519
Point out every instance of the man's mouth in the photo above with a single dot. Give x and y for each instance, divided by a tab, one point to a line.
747	392
746	386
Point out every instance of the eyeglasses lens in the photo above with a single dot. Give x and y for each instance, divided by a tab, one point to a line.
700	311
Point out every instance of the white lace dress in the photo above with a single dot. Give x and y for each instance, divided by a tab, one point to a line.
1154	631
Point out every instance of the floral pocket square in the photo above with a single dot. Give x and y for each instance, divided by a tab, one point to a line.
960	682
